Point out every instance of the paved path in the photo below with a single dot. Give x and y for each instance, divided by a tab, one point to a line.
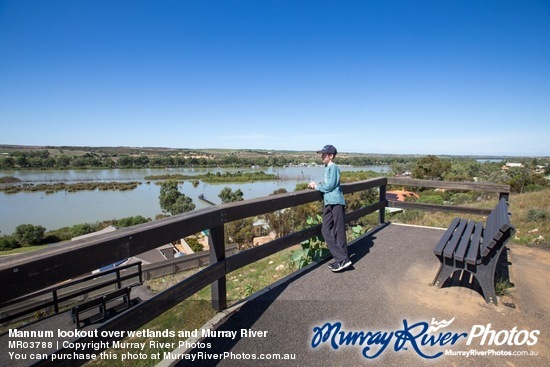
389	283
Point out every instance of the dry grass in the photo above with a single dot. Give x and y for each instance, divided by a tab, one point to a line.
530	215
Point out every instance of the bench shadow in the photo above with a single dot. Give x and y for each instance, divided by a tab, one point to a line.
462	278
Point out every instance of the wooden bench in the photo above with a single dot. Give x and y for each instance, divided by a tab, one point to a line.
475	248
101	302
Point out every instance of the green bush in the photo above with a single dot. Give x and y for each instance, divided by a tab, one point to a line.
537	215
194	243
131	221
8	243
431	199
29	235
83	228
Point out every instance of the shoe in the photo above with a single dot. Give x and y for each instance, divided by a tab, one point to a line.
331	265
339	266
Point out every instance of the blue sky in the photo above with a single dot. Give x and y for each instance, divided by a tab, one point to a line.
418	77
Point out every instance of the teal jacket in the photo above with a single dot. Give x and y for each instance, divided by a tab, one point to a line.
330	187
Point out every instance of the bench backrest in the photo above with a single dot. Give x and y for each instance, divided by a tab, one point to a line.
497	228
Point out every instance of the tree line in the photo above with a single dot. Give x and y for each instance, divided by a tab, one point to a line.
44	159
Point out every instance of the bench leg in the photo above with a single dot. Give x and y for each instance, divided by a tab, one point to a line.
487	283
444	272
486	278
76	319
103	309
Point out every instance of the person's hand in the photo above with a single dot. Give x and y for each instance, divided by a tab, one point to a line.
312	185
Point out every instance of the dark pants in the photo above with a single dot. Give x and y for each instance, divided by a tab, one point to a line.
334	231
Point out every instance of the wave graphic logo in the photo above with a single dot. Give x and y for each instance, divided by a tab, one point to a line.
439	325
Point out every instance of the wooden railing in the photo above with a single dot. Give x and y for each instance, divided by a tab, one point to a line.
502	190
21	275
68	293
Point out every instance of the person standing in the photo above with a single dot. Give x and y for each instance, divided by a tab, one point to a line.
334	226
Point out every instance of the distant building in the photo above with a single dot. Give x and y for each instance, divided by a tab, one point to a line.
509	165
400	195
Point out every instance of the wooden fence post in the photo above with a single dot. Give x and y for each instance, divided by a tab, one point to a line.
216	242
382	211
505	195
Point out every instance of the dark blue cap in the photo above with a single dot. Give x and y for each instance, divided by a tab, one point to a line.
328	149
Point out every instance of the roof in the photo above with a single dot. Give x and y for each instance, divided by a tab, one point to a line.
400	195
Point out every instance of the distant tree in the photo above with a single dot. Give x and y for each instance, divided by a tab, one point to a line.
461	170
431	168
172	200
125	161
29	235
7	163
241	231
229	196
22	161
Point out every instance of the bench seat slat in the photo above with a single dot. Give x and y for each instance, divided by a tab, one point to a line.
478	233
465	241
438	250
457	235
473	251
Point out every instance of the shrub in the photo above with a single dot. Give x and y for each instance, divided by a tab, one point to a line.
461	198
410	215
537	215
131	221
194	243
430	199
83	228
29	235
8	243
533	187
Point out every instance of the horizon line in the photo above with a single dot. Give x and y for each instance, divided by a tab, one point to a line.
482	155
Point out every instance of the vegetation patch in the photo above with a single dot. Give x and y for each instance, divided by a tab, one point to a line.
226	177
80	186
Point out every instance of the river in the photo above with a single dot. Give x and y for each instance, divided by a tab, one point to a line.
62	209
